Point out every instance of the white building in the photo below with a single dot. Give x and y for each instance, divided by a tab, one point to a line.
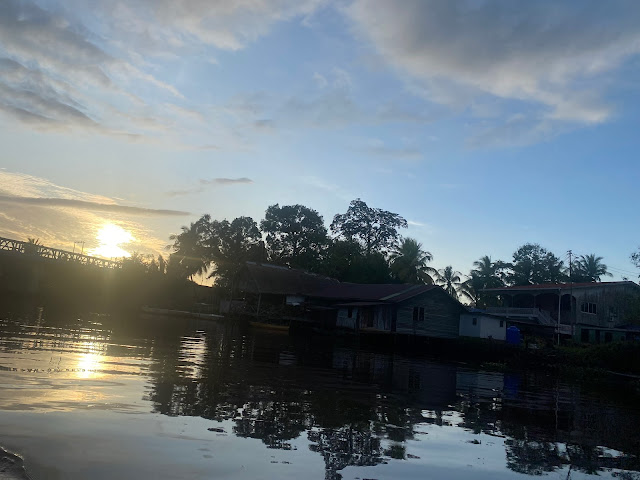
482	325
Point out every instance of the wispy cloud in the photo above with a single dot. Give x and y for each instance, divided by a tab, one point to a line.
84	205
36	207
413	223
204	184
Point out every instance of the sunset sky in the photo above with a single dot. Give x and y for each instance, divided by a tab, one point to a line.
486	124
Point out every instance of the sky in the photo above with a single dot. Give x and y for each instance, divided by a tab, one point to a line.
485	123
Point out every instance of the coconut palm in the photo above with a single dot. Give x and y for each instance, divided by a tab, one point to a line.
491	273
189	255
471	289
32	246
589	268
449	279
409	263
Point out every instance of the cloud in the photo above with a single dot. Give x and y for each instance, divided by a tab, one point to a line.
155	26
203	184
36	207
60	73
55	75
381	150
84	205
226	181
547	55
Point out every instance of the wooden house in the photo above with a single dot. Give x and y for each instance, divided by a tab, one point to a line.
591	312
422	310
274	291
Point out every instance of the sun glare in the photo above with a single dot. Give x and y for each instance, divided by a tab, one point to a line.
110	237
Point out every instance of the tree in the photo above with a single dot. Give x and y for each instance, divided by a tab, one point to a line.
449	279
32	246
190	256
409	263
472	287
534	265
635	258
589	268
374	228
230	245
485	274
296	235
491	273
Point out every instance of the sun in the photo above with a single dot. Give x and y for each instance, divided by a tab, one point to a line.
110	237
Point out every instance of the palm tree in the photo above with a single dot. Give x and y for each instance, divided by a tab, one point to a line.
32	246
449	279
491	273
471	288
189	254
589	268
409	263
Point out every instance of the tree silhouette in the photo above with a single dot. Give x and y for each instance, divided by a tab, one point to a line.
409	263
589	268
449	279
189	255
375	229
295	235
230	245
534	265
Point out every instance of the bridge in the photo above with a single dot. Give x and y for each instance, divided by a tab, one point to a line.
31	249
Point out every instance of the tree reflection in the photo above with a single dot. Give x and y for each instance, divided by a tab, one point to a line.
356	407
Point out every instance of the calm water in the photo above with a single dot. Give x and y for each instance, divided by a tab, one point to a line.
104	397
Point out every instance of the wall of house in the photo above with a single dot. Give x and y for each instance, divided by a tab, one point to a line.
611	305
588	334
382	318
441	315
485	327
343	320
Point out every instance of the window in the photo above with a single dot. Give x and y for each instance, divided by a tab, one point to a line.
588	307
597	336
421	316
418	314
350	312
474	321
608	337
415	314
501	323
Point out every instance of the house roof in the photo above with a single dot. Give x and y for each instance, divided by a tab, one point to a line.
273	279
560	286
385	292
277	280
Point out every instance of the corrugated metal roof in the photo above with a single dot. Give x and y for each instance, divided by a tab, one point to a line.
385	292
558	286
273	279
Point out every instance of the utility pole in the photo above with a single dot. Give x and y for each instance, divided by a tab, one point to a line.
571	316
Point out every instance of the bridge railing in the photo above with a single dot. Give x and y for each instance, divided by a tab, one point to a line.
26	248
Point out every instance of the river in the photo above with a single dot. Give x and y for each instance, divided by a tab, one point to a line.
105	397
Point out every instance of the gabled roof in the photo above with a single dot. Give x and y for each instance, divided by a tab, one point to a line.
276	280
554	287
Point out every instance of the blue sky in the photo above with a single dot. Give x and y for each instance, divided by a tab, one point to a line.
486	124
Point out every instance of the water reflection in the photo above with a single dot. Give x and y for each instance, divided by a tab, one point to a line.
355	407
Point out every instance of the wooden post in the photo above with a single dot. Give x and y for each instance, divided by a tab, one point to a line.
259	300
